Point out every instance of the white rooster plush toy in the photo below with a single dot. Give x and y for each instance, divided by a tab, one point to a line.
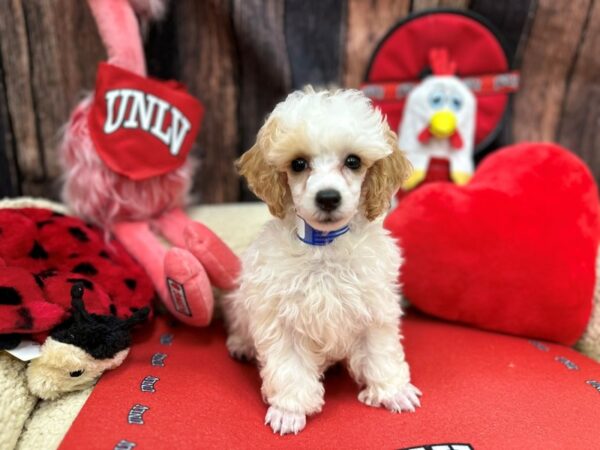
439	122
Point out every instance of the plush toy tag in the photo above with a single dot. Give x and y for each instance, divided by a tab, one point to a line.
141	127
26	350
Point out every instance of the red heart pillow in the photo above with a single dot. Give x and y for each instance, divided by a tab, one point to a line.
513	251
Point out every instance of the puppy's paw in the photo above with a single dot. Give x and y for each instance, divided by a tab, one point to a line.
284	422
396	400
240	348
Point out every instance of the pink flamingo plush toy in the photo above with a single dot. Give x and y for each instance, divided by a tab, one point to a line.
125	158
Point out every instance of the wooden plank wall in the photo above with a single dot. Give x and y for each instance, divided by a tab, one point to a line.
47	49
242	56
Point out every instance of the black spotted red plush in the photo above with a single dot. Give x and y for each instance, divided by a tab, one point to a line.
43	254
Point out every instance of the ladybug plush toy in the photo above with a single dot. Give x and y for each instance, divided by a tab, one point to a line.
63	286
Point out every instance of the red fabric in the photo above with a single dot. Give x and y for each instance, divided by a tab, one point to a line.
512	251
33	312
425	135
148	145
440	62
44	254
488	390
438	170
405	53
455	140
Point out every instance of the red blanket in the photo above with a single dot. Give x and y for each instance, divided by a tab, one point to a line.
180	389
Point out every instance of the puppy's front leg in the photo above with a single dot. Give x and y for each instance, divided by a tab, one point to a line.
377	362
291	385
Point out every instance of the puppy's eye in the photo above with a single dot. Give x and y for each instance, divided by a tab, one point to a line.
299	165
352	162
76	373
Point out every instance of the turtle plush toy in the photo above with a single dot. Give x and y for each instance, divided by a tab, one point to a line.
65	285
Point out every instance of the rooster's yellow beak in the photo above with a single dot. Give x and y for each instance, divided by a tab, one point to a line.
442	124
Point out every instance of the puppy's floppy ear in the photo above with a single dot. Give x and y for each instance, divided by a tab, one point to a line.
268	183
384	178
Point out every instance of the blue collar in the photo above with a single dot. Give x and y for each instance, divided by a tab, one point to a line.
312	236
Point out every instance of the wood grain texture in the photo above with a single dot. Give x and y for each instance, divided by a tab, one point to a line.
420	5
9	175
8	185
64	52
580	119
19	97
550	53
49	52
241	56
510	18
264	68
208	62
513	21
314	34
84	49
367	23
161	48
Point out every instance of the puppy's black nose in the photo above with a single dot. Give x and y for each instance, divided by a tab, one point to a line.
328	199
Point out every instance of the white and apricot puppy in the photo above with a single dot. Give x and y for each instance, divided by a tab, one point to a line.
319	285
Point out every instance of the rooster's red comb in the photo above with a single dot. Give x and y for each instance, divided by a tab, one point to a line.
440	62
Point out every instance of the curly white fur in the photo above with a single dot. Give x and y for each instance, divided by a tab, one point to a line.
301	308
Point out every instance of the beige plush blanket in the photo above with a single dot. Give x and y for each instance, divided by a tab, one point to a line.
25	422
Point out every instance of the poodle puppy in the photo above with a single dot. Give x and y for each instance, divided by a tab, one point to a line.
319	285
